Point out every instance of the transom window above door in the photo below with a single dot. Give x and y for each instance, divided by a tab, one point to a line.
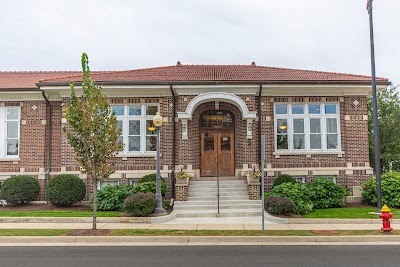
307	127
136	123
216	119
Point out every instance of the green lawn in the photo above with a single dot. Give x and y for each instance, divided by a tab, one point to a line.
348	213
33	232
57	213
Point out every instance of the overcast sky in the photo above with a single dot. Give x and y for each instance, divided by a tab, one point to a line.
327	35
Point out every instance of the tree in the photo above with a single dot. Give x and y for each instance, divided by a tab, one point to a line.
92	131
389	129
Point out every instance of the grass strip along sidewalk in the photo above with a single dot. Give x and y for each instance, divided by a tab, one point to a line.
57	213
141	232
348	213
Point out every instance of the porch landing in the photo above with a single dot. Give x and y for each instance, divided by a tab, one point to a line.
223	178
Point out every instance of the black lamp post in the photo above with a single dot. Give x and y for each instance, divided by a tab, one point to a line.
158	121
375	111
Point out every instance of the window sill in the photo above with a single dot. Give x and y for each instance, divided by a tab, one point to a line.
10	159
147	155
289	153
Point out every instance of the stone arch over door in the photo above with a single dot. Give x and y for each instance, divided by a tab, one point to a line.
243	150
229	98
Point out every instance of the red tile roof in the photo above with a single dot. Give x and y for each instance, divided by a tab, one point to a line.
28	79
181	74
219	73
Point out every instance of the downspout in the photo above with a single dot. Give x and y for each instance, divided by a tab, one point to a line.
173	139
48	130
259	124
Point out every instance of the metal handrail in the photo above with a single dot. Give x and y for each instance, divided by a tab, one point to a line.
216	159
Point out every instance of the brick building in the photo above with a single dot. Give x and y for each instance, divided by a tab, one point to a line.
315	122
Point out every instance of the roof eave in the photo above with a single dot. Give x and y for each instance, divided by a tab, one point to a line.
40	84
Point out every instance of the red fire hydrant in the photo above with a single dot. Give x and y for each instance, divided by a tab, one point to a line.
386	216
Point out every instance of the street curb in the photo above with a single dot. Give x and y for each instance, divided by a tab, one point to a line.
172	215
185	240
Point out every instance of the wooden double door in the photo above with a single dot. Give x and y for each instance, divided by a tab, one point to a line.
217	154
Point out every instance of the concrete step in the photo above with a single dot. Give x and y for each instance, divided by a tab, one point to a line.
212	186
220	182
223	213
221	194
215	206
222	202
214	198
229	178
215	190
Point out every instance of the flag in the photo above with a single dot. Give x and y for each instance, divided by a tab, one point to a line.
369	5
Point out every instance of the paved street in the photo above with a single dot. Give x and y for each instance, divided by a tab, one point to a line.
320	256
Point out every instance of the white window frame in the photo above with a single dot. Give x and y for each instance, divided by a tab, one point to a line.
3	132
142	118
133	181
303	179
306	116
102	184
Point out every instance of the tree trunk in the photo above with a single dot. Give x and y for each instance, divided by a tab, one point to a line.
94	184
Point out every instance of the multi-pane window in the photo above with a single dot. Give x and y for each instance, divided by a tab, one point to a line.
135	122
333	178
307	127
103	184
300	179
9	132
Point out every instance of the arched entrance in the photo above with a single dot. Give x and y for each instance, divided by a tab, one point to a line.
217	128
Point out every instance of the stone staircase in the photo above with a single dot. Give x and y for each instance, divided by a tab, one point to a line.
202	200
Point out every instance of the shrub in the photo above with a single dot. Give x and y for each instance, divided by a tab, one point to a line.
390	186
140	204
149	178
65	190
283	178
147	187
148	184
324	193
20	189
279	205
297	192
112	197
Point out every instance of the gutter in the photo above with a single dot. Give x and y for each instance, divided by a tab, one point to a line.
259	123
173	139
48	146
41	84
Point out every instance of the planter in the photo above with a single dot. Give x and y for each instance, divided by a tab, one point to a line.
253	179
181	181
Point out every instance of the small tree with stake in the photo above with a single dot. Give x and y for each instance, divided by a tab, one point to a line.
92	131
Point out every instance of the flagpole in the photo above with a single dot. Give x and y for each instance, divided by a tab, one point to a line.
375	112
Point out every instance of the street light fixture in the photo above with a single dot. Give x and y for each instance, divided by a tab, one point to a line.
157	122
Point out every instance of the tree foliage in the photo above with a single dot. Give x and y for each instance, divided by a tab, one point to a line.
92	130
389	129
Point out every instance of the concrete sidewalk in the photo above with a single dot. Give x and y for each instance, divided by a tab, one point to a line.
240	226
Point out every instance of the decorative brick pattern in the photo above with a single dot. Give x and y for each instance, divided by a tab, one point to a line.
181	192
254	191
